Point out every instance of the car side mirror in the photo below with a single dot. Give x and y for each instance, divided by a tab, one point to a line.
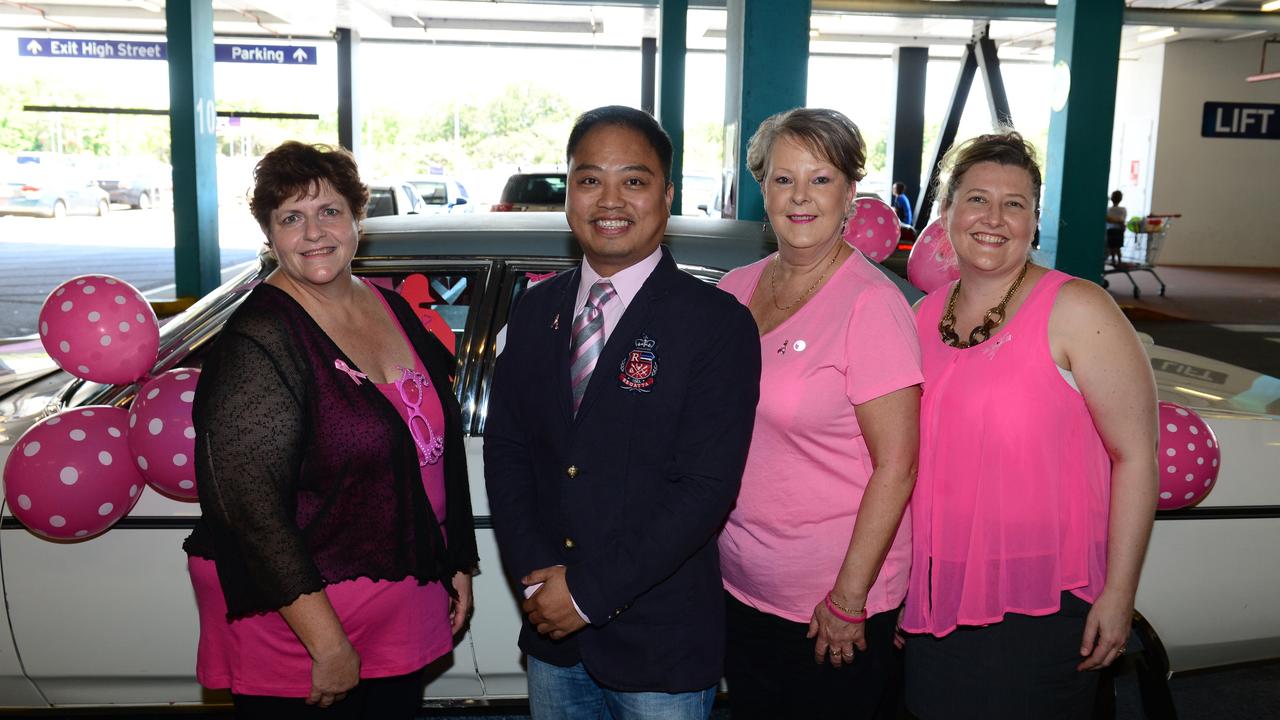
460	201
703	207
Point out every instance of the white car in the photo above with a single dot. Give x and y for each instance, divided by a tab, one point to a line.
112	619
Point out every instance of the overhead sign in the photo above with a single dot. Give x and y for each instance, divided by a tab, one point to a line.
1241	120
268	54
91	48
101	49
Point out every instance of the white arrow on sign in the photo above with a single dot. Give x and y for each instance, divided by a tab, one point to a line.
299	55
33	47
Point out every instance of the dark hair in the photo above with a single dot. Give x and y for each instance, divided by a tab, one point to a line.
295	168
1116	196
1003	148
827	133
627	117
900	187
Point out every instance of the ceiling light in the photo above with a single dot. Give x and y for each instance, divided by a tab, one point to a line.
1270	6
1155	35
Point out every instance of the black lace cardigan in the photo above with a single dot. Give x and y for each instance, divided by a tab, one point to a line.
306	478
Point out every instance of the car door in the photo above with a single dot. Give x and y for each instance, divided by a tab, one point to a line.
113	619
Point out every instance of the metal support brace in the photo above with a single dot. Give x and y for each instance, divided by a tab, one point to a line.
950	126
648	73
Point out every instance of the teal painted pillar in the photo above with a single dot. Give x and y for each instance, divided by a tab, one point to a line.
348	41
1086	58
775	77
671	57
193	124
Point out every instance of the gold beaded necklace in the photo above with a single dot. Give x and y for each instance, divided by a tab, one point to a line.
773	279
990	320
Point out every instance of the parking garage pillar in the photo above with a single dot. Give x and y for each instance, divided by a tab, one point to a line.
671	52
1086	58
774	58
348	111
193	124
906	144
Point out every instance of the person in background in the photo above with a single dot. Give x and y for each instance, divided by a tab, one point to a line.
333	558
1117	215
815	554
617	429
1037	485
901	204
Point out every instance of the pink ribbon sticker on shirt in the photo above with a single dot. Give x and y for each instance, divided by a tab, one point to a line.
355	375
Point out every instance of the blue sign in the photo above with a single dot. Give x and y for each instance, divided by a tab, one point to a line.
268	54
1259	121
99	49
91	48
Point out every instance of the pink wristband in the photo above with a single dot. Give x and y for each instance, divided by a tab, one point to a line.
842	615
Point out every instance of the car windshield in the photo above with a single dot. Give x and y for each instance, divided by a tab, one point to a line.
381	202
536	189
432	192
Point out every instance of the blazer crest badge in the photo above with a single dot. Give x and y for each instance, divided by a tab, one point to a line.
640	366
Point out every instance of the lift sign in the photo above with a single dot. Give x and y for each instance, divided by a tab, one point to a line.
1241	120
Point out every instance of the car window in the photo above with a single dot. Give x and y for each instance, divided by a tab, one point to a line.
545	189
381	202
431	192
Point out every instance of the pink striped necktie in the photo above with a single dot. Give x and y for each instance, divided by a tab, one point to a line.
588	339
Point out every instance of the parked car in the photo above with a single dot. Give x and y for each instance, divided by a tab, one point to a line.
392	197
46	191
442	194
113	619
532	192
139	184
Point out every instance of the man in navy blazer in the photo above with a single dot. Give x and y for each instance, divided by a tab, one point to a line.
618	425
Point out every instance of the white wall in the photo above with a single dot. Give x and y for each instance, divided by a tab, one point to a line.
1225	188
1133	141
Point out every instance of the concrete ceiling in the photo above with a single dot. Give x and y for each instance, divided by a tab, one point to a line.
1024	30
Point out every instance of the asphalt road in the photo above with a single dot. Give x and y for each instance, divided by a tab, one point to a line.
37	255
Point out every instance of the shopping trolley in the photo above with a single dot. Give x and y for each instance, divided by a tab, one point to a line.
1148	237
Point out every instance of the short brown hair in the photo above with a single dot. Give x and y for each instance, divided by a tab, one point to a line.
295	168
1002	148
827	133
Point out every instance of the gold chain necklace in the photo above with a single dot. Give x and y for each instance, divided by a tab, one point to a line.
773	279
990	320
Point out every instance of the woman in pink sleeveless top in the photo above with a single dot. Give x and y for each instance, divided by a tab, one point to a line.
1037	480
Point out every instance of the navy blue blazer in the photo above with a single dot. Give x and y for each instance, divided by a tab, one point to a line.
630	494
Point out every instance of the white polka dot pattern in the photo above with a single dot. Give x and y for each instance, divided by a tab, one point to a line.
99	340
161	429
1188	443
63	472
873	228
932	262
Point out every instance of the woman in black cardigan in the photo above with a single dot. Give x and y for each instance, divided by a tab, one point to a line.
334	557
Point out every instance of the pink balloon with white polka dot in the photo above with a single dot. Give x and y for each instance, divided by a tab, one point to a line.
873	228
162	439
69	476
1189	457
932	262
100	328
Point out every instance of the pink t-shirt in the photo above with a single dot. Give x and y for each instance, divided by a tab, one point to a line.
1013	495
808	466
395	627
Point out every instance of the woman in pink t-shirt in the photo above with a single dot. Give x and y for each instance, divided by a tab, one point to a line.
815	554
1037	486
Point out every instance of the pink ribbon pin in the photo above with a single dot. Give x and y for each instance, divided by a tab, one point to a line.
355	375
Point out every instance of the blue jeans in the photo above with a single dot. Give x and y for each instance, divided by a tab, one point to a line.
569	693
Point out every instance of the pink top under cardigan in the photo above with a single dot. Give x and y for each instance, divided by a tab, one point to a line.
395	627
1014	488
